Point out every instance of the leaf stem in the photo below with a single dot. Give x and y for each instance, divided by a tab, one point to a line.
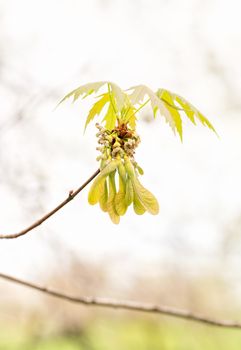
143	105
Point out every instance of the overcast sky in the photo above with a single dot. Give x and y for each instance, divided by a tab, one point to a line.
50	47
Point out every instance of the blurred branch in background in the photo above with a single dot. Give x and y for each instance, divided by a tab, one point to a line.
21	173
126	305
52	212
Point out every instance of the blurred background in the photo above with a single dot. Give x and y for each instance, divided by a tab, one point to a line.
189	255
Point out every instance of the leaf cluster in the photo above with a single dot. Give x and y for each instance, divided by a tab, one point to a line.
122	106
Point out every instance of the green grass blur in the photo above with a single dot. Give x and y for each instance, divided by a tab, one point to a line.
134	334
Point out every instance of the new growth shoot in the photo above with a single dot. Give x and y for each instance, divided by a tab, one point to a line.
118	140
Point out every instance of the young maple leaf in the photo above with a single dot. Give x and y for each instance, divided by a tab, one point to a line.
118	141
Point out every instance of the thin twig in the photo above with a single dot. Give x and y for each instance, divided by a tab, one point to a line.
52	212
127	305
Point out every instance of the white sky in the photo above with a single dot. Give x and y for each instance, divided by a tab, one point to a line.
189	47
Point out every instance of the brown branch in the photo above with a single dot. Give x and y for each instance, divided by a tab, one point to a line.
52	212
127	305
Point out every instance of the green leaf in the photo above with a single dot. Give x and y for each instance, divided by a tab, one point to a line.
137	96
111	200
97	108
120	97
186	108
111	114
123	105
97	185
192	112
205	121
110	118
129	116
170	105
85	90
90	88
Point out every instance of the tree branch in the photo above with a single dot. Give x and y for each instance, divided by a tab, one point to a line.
127	305
52	212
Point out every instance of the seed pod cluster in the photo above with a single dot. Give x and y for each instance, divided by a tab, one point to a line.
118	142
117	149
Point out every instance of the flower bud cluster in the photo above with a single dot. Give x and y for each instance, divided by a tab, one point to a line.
117	149
117	143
